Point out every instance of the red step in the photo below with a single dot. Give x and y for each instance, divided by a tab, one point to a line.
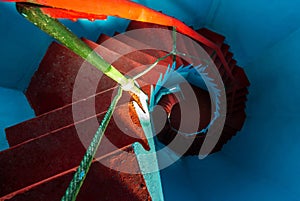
61	150
57	73
56	77
213	36
122	48
31	147
134	43
236	120
232	64
226	135
236	115
40	125
237	100
225	48
44	123
240	75
122	186
59	118
161	40
47	149
148	79
228	57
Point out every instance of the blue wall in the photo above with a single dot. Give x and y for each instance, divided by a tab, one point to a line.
261	162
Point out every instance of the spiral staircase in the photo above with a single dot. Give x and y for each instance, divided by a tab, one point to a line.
45	151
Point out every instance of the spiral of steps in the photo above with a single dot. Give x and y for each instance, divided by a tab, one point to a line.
45	151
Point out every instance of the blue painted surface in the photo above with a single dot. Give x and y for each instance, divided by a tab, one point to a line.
262	161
